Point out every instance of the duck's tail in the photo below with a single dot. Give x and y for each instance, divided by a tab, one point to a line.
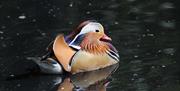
49	65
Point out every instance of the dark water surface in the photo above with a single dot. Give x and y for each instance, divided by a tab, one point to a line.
143	31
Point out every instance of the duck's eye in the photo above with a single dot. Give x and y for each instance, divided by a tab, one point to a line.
97	30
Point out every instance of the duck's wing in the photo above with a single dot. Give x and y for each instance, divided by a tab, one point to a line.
63	52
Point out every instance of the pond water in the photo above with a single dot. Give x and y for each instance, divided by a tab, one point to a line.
144	32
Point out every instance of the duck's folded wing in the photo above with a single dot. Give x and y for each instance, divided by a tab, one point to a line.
63	52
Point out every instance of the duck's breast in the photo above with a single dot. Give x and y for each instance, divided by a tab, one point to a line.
85	61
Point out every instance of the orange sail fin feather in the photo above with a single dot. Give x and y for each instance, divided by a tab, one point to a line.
63	52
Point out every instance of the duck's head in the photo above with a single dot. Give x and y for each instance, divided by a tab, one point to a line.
95	41
76	37
91	37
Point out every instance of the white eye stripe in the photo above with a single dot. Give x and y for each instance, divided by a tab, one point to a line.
91	27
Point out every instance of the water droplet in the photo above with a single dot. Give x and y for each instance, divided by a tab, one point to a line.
1	38
159	51
138	45
88	12
136	56
167	24
150	35
90	4
43	34
48	4
71	4
8	16
169	51
136	61
54	15
3	27
51	10
135	10
147	30
22	17
140	80
17	34
33	20
116	22
70	22
132	79
135	74
148	53
11	75
4	45
18	85
18	7
171	54
152	67
143	35
163	66
167	5
1	32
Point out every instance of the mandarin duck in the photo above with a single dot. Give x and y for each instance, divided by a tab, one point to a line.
87	48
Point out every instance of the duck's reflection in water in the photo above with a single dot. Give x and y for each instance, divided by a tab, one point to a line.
88	81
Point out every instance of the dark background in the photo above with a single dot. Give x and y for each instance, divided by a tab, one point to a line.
144	32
